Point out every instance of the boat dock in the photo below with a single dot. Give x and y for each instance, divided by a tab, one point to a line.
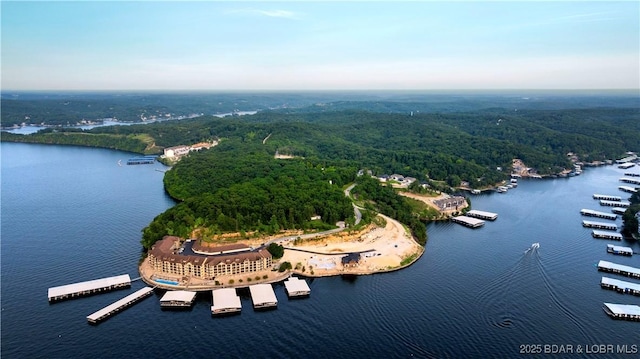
297	287
225	301
622	311
600	225
121	304
468	221
630	180
263	296
614	203
605	266
590	213
620	286
146	160
632	174
607	197
626	166
177	299
618	210
482	215
606	235
82	289
627	189
621	251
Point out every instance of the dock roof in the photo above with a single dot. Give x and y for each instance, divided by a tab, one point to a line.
620	284
619	267
475	212
295	284
262	294
620	248
178	296
598	214
469	221
628	309
607	234
225	298
603	224
118	304
89	285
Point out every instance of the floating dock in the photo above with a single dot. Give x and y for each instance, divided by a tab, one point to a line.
620	286
607	197
621	251
605	266
482	215
606	235
225	301
177	299
141	161
627	189
82	289
591	213
600	225
614	203
263	296
297	287
626	166
622	311
468	221
630	180
116	307
631	174
618	210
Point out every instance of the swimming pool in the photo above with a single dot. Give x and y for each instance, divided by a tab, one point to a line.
164	281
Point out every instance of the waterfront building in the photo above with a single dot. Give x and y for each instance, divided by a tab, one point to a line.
167	256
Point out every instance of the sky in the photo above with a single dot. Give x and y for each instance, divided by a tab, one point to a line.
322	45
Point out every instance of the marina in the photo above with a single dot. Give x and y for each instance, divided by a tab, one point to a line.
618	250
82	289
468	221
263	296
482	215
119	305
591	213
297	287
627	189
620	286
614	203
177	299
225	301
606	235
147	160
607	197
622	311
635	181
606	266
600	225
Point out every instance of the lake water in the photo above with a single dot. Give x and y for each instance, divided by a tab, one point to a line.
72	214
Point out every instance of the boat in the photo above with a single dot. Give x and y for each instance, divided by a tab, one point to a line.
502	189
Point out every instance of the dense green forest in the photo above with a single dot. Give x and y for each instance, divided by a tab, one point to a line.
240	186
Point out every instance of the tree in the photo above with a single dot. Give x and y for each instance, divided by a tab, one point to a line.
276	250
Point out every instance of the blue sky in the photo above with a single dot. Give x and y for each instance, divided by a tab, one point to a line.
303	45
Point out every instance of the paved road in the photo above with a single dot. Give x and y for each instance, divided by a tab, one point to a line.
356	209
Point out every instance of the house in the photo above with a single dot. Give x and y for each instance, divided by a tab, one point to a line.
176	151
351	260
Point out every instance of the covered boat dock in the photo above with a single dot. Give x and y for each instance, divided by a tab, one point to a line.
627	189
225	301
620	286
297	287
630	180
621	251
263	296
121	304
622	311
81	289
482	215
468	221
614	203
599	225
605	266
607	197
606	235
591	213
177	299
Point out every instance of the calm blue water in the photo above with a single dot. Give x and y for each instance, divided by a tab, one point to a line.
72	214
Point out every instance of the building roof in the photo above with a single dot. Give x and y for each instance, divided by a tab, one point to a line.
165	250
350	258
262	294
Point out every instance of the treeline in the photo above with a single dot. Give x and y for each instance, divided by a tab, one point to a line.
385	200
629	219
79	138
241	189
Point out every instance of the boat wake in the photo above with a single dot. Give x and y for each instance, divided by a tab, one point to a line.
533	247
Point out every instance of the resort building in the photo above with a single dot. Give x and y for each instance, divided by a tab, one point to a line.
169	256
176	151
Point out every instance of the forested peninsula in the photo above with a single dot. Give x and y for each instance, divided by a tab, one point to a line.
242	186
